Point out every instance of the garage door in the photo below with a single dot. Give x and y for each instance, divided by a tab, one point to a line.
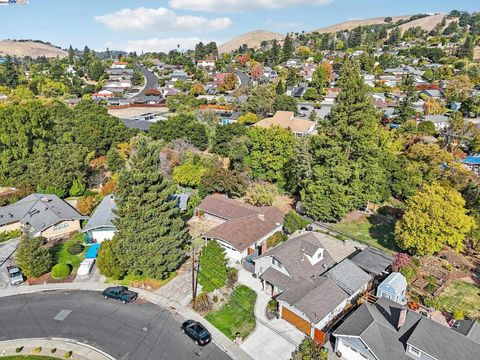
296	320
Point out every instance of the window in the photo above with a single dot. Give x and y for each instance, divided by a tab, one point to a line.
414	351
61	226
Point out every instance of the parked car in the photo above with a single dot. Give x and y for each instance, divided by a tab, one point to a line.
120	293
196	332
15	276
85	267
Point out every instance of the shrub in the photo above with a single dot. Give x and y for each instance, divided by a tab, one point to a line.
408	272
215	299
107	260
32	257
232	277
37	350
109	187
202	302
458	314
431	302
293	222
213	267
67	355
78	188
8	235
75	249
19	349
401	260
86	204
61	271
53	351
276	239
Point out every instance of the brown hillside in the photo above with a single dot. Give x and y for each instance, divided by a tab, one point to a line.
253	39
29	48
351	24
426	23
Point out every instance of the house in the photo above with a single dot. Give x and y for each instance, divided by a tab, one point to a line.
314	306
298	260
387	330
296	91
241	229
119	65
374	262
179	75
269	73
43	215
206	63
432	93
394	288
472	163
287	120
441	122
100	226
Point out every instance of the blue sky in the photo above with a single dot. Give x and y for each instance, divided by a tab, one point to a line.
162	24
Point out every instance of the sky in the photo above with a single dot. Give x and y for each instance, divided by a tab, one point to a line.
159	25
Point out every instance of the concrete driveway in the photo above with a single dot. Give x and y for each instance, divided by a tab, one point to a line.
134	331
7	250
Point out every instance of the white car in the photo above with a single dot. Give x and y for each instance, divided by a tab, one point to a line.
85	267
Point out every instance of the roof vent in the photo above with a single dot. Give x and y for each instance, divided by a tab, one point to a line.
45	199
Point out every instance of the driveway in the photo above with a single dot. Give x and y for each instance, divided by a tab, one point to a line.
7	250
134	331
283	338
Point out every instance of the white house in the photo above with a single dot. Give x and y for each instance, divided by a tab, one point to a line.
100	226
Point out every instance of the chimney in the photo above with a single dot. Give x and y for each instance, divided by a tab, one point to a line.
401	319
261	216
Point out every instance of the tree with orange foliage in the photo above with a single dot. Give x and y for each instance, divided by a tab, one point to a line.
86	204
229	82
256	70
243	59
109	187
328	70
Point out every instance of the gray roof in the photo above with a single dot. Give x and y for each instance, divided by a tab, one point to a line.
373	261
317	299
39	211
437	118
376	325
291	252
103	215
279	279
397	281
182	200
348	276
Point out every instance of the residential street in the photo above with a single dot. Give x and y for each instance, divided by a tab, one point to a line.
134	331
151	81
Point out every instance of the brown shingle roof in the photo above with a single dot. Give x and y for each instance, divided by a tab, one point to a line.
286	120
245	223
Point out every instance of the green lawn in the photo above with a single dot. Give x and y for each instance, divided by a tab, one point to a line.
461	295
61	255
236	316
373	230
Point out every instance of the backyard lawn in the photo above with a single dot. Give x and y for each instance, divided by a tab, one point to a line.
236	316
61	255
460	295
373	230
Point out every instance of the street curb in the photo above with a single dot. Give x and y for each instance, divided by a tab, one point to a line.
51	343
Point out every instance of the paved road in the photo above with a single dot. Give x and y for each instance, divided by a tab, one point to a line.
137	331
151	81
245	80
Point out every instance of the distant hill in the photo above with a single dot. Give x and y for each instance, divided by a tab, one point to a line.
253	39
30	48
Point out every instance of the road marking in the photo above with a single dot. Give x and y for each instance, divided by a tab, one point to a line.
62	315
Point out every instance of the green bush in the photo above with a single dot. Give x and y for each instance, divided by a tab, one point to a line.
75	249
61	271
19	349
293	222
458	314
37	350
408	272
68	355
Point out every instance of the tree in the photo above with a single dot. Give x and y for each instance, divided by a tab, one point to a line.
261	194
293	77
405	111
229	82
280	87
224	136
435	217
285	103
10	76
467	49
288	48
213	267
32	257
78	188
427	127
189	173
248	119
293	222
347	168
197	89
151	233
433	107
458	89
269	151
108	260
319	79
256	70
260	101
395	36
223	181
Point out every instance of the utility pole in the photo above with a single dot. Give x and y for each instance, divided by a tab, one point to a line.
193	278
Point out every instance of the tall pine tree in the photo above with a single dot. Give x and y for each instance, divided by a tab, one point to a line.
151	234
32	257
348	169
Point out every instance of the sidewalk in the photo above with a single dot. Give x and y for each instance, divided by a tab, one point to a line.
283	338
63	346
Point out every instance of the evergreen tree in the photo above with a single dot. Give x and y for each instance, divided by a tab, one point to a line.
213	267
288	48
280	88
32	257
71	55
151	234
405	111
347	169
319	79
466	50
395	36
10	76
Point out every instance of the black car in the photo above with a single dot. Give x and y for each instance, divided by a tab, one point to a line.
120	293
197	332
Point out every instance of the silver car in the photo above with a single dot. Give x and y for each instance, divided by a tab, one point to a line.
14	275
